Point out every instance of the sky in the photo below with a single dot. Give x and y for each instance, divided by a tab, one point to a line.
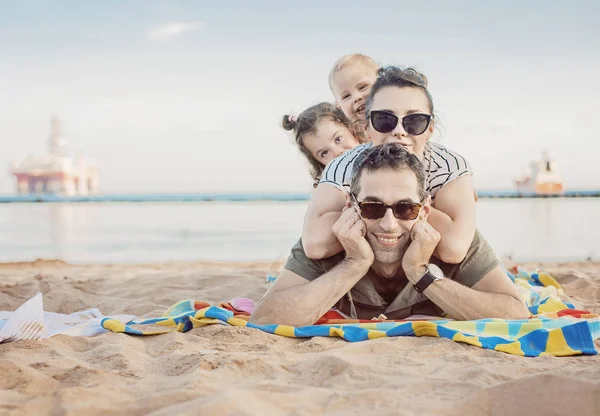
188	96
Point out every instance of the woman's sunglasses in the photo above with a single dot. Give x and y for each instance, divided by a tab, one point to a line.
405	211
414	124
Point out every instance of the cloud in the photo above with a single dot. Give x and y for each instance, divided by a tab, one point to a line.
172	29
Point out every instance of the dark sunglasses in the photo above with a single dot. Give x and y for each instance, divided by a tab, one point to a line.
376	210
414	124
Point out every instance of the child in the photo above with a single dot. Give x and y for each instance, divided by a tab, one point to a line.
350	80
322	133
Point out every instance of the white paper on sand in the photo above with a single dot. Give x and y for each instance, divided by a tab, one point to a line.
30	321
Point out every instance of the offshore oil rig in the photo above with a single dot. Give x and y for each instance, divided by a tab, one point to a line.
54	173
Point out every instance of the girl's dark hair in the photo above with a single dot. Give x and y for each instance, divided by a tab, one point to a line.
306	123
393	76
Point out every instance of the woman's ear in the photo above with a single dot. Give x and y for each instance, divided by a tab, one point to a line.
431	127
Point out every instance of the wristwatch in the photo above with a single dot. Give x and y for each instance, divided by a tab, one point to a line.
432	274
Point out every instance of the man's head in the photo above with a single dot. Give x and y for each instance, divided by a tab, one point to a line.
389	175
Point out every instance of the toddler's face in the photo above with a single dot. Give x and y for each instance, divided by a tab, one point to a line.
351	87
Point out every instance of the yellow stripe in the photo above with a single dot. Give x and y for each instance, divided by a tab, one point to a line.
557	345
285	330
424	328
368	325
198	323
237	322
374	334
498	328
466	339
529	326
552	305
114	325
336	332
548	280
512	348
166	322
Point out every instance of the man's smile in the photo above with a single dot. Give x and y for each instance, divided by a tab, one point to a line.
387	240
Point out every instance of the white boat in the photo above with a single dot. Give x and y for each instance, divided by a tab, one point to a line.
543	178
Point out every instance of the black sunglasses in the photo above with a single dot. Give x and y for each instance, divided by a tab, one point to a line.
414	124
403	210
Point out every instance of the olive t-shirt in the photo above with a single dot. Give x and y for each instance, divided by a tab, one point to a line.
364	302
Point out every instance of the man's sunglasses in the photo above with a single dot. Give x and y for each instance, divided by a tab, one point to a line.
376	210
414	124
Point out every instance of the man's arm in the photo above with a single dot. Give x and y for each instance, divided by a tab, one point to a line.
494	296
292	300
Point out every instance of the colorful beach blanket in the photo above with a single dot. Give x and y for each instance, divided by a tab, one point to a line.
556	327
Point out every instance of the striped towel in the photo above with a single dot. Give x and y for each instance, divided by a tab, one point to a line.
556	327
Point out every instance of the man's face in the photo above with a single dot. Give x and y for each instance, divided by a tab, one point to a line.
390	237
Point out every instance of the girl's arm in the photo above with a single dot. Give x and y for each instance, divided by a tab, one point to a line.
324	209
453	216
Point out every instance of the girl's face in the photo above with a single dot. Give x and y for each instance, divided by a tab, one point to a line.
401	102
329	141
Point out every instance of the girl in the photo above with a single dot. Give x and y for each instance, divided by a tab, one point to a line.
322	133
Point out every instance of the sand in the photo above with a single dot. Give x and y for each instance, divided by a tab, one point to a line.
238	371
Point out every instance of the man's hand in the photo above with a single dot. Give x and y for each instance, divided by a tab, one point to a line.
350	229
424	241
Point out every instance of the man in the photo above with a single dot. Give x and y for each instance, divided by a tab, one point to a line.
387	265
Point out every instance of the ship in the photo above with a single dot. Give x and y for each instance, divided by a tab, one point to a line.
543	178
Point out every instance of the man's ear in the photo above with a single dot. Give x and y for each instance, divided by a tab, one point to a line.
426	208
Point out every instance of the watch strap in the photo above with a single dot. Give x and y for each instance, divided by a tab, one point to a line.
425	282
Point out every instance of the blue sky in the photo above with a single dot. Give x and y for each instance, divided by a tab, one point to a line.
175	96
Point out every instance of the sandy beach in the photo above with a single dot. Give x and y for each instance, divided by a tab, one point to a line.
239	371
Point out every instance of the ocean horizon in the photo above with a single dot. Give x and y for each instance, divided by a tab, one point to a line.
556	229
251	196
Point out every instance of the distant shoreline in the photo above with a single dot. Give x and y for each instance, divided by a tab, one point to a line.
248	197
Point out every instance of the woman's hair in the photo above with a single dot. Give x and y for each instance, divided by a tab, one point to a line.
307	122
393	76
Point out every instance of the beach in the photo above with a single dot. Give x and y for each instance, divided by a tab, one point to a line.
232	370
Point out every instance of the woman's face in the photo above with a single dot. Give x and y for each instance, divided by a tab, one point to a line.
401	101
329	141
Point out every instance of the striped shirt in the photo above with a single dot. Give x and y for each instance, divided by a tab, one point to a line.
442	166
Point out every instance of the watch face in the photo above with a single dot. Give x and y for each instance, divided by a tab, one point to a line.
435	271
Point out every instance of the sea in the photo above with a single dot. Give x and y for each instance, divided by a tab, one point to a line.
553	229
